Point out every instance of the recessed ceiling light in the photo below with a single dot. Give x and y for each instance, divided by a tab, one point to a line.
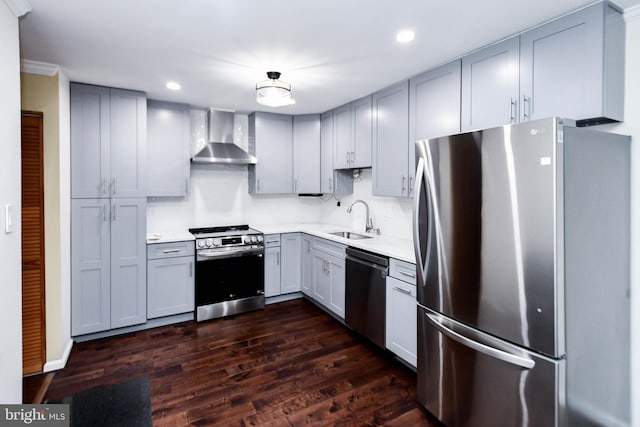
173	86
405	36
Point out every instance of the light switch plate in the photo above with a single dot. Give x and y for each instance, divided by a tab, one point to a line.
8	220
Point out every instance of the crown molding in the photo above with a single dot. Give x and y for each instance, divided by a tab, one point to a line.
632	13
35	67
19	7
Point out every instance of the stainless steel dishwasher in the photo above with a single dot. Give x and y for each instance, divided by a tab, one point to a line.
365	293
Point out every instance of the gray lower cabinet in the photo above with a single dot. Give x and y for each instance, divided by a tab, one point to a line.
271	141
434	108
490	86
108	142
170	279
401	312
108	259
306	153
328	275
290	268
168	132
306	265
390	165
282	264
574	67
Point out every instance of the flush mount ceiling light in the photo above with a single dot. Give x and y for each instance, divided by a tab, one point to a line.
173	86
273	92
405	36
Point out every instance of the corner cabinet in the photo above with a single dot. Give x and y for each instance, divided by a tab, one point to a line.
352	134
434	108
108	142
108	273
170	278
168	166
390	165
271	141
306	153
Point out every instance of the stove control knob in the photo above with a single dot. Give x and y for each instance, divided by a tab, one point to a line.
216	242
260	238
247	240
254	239
201	243
209	243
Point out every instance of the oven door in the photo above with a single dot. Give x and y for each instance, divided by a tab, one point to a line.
229	275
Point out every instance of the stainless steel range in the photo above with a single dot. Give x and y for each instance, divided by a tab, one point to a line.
229	271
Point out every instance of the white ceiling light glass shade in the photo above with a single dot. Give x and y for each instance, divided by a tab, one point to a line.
273	92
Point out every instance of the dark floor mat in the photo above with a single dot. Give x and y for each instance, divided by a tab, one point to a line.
124	404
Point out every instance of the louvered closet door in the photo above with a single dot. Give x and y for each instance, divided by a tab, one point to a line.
33	303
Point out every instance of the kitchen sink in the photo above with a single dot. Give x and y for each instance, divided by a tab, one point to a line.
350	235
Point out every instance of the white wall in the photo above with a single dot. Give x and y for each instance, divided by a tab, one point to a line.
10	267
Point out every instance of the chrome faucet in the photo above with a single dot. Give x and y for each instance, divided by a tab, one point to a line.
369	222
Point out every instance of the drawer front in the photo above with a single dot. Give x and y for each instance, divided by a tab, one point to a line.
170	250
402	270
271	240
329	247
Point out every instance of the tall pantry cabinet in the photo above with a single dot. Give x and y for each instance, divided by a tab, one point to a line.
108	208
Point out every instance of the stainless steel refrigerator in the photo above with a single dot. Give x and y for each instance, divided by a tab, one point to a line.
521	237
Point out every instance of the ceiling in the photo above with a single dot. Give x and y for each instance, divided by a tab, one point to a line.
331	51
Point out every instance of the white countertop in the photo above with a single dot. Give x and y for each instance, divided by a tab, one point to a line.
390	246
393	247
169	236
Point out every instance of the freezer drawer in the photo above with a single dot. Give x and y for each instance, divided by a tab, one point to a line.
469	378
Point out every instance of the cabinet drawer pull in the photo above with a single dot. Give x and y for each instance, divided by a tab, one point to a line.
404	273
171	251
404	291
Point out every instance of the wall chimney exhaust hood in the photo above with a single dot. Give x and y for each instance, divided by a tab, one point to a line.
220	148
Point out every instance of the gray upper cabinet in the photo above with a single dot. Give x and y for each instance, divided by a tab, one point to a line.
434	108
352	133
490	86
90	132
271	141
326	153
306	153
108	142
574	67
168	131
90	266
390	166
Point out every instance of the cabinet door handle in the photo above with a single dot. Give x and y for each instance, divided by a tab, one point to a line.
113	212
404	291
331	185
526	107
277	258
191	269
258	185
409	189
404	273
403	187
113	192
353	157
104	185
105	216
348	160
512	110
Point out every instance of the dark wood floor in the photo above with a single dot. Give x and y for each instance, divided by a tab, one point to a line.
290	364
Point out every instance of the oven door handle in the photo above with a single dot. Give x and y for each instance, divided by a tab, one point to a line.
205	255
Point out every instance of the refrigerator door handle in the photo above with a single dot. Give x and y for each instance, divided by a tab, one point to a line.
419	182
513	359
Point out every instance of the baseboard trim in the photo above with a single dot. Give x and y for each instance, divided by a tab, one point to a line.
55	365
